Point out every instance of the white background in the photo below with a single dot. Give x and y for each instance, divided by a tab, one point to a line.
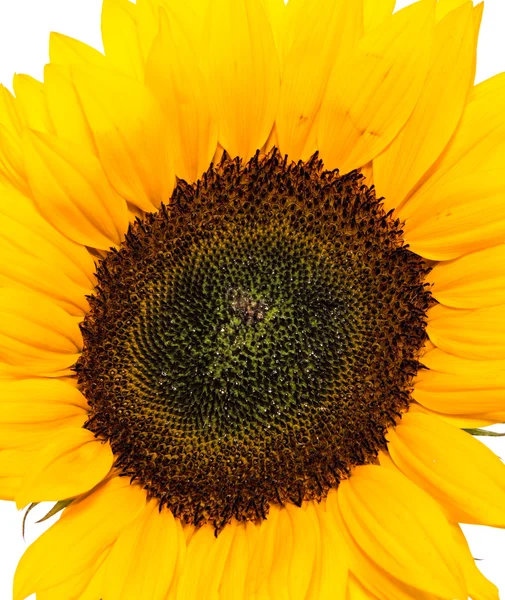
24	31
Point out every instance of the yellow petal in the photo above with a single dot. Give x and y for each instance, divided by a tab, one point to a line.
9	112
35	333
12	372
22	227
403	530
373	93
278	17
476	280
479	588
461	394
262	557
131	135
21	270
175	79
278	582
465	421
375	581
120	39
443	220
64	50
143	559
295	559
71	464
199	548
460	386
147	22
376	12
184	17
462	421
31	102
451	223
9	487
242	69
367	172
76	586
73	193
210	577
322	39
95	586
187	17
444	7
42	259
437	112
37	435
39	401
473	334
14	462
438	360
79	538
12	168
232	585
64	107
331	564
356	591
12	171
454	467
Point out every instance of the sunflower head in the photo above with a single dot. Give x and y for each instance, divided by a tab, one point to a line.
251	292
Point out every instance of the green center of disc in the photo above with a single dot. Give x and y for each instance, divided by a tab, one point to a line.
253	340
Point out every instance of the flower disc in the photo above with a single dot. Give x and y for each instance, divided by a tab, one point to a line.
252	341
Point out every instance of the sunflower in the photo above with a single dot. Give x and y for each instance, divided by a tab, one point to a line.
252	303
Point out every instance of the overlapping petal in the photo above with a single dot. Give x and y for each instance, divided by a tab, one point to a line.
242	70
460	386
67	51
120	38
465	477
78	539
32	411
403	531
373	92
473	334
130	134
27	237
143	561
65	108
475	280
31	103
329	30
437	112
442	218
174	77
72	462
37	336
73	193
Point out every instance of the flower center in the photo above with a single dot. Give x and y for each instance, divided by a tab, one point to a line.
252	341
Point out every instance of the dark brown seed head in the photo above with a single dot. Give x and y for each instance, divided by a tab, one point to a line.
252	341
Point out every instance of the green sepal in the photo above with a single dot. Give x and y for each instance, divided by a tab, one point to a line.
28	510
477	431
59	506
